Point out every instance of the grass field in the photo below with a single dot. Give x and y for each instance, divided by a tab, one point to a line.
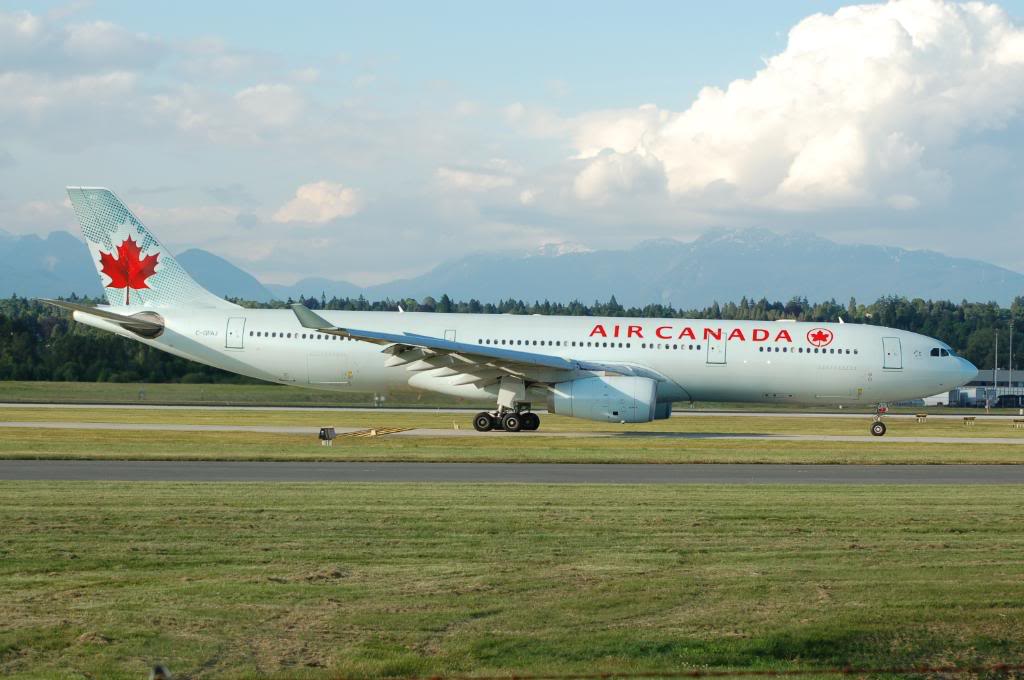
280	395
314	581
209	394
631	447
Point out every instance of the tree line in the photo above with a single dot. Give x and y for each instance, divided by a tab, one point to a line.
40	342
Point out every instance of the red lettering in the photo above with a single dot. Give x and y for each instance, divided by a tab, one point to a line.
659	330
715	333
783	335
599	330
615	331
634	332
737	334
760	335
687	332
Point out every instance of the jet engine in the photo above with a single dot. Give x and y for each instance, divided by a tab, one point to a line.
613	399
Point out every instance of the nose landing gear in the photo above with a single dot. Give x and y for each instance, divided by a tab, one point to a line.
877	426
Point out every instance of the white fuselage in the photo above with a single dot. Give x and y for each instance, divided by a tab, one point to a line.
698	359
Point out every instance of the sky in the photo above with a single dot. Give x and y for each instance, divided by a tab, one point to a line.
371	141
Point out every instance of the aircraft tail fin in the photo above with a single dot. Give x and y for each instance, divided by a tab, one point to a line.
134	267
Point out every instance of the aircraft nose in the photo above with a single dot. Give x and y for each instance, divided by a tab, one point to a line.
967	370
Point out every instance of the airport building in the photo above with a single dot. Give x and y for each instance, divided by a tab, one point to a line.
997	389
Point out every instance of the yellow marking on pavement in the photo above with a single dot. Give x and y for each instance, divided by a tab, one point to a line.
374	432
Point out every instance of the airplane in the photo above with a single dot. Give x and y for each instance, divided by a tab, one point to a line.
609	369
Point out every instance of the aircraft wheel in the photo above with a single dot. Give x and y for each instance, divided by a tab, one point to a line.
531	421
512	422
878	428
483	422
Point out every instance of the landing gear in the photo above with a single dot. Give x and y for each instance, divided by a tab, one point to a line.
877	426
483	422
510	421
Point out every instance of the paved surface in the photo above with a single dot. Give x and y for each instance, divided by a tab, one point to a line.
980	414
521	473
470	432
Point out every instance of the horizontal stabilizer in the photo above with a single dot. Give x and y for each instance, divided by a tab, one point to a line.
145	324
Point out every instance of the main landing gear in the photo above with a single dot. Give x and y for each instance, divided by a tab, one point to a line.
510	421
877	426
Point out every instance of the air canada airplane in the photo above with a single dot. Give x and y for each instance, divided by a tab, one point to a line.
616	370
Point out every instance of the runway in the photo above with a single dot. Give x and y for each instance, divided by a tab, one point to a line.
507	473
469	432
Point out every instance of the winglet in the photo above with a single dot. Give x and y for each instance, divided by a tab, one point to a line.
310	319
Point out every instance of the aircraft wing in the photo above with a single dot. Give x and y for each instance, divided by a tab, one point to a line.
479	364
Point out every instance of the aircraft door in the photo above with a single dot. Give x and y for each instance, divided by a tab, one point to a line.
716	351
892	354
233	338
449	335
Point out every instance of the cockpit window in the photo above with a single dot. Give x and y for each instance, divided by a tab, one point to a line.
941	352
944	352
935	351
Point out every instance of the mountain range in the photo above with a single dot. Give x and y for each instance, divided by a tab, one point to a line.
720	265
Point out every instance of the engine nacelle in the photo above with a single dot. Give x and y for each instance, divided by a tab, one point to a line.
613	399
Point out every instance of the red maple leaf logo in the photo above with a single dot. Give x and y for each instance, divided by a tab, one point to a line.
819	337
128	270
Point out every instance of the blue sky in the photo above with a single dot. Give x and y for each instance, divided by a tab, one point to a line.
363	141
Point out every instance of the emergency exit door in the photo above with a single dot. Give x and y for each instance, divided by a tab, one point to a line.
892	354
716	351
233	338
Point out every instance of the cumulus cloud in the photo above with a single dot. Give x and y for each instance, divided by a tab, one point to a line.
320	202
614	174
851	113
30	42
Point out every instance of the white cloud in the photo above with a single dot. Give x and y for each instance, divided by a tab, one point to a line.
274	105
29	42
850	113
497	173
614	174
320	202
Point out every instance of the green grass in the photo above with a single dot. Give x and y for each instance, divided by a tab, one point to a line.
135	445
627	445
205	394
280	395
818	425
320	580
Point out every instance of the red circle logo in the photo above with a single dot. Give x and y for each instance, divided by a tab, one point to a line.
819	337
